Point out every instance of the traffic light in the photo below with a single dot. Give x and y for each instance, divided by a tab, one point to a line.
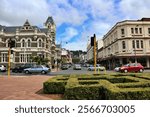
11	51
11	43
92	41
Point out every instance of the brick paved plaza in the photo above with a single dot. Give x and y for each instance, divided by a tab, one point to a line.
24	88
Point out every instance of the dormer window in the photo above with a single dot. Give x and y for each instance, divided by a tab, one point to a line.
27	26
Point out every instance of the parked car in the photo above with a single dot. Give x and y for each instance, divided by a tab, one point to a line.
133	67
64	66
77	67
19	69
98	67
117	69
2	68
37	69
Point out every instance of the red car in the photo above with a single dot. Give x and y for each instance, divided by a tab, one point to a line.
133	67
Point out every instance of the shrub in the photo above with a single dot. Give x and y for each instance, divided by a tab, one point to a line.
100	87
55	85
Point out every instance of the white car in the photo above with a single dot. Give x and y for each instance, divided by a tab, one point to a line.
77	67
2	68
117	69
98	67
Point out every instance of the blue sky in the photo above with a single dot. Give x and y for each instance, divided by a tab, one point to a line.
76	20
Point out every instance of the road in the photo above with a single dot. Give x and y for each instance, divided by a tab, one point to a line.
62	72
59	72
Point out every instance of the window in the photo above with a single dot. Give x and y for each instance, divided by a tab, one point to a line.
136	30
4	57
132	30
40	43
22	58
23	43
148	30
123	45
25	58
137	44
141	43
29	43
133	44
28	57
122	31
140	29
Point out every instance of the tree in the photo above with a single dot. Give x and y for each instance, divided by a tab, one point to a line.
40	60
75	60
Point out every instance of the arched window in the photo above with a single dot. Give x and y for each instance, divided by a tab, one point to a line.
40	41
23	43
7	42
29	43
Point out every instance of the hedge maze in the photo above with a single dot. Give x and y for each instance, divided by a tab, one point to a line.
100	87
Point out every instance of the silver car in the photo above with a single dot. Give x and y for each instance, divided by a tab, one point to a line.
77	67
98	67
37	69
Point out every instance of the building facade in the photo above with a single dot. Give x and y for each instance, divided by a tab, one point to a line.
128	41
66	56
29	41
90	51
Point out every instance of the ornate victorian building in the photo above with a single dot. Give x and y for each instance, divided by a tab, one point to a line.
28	41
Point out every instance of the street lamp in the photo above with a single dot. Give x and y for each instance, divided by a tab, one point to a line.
135	44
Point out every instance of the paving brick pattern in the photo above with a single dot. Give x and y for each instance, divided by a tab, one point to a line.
24	88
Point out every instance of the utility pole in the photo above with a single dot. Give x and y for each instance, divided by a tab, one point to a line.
9	62
95	62
93	44
11	44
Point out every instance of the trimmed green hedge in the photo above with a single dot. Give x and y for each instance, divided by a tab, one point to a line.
100	87
55	85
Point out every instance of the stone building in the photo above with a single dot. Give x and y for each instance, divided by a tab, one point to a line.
28	41
127	41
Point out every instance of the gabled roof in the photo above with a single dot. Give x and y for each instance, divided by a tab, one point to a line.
27	26
12	29
50	20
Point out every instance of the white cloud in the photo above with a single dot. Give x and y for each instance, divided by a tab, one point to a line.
135	8
96	8
15	12
69	33
64	12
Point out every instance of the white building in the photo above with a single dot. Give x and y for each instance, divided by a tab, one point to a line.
66	56
127	41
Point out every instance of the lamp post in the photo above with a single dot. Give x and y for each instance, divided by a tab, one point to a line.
11	44
135	44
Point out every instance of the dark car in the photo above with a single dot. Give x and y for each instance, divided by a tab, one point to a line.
133	67
19	69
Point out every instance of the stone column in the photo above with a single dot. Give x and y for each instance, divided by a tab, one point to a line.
147	62
120	61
